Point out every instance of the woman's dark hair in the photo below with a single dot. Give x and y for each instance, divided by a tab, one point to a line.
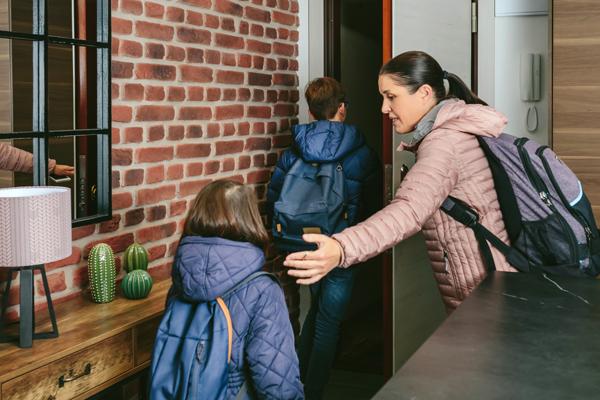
414	69
226	209
324	96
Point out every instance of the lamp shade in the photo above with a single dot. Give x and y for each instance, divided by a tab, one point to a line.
35	225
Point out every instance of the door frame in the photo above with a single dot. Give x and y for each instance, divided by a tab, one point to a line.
331	20
387	160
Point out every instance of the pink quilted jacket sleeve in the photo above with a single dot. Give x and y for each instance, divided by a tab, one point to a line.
15	159
420	195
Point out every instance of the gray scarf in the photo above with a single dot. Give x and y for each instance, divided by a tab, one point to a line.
424	126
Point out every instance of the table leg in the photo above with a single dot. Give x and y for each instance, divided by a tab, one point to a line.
26	308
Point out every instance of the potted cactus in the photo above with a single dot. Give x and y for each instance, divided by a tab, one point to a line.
136	284
102	273
135	257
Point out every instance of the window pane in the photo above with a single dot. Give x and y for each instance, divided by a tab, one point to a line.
72	19
79	152
16	15
71	87
60	88
16	168
60	18
16	85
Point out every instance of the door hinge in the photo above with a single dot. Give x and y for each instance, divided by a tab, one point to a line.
474	16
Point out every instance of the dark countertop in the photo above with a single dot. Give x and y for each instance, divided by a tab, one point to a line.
517	336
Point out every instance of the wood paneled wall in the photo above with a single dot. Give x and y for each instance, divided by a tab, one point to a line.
576	90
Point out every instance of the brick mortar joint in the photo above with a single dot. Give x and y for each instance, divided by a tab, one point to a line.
237	19
221	67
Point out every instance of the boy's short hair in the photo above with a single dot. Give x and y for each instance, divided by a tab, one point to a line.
324	96
229	210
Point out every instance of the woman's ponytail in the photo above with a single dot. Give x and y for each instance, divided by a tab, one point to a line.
414	69
458	89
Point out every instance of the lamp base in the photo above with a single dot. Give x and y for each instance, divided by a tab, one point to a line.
26	308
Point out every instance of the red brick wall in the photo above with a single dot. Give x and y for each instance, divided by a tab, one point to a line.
201	89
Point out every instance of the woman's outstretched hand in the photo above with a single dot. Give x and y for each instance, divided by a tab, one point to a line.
63	170
311	266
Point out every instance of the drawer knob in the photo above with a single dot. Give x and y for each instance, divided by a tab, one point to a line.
71	377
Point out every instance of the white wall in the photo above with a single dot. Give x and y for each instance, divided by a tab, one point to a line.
311	64
311	57
502	40
514	36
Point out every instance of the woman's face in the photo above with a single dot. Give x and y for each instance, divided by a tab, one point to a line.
403	108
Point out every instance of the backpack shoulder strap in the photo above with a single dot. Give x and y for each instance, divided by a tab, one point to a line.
468	217
225	309
227	315
247	280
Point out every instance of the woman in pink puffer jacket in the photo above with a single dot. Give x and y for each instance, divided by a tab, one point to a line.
449	161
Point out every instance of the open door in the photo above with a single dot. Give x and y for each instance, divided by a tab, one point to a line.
352	55
442	29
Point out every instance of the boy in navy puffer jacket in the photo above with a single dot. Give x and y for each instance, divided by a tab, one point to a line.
220	247
329	139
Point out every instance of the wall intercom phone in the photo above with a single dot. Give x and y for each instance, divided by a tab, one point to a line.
531	76
531	80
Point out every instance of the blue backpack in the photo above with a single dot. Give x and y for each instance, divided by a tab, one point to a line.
192	350
547	215
312	200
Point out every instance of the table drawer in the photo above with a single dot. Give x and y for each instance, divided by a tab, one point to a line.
74	374
144	340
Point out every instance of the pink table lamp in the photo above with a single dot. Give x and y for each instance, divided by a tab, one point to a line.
35	228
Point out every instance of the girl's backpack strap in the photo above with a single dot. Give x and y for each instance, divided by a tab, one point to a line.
247	280
227	315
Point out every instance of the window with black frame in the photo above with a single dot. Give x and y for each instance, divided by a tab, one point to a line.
55	100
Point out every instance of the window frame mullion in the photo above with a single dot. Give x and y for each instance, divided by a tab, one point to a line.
103	142
40	93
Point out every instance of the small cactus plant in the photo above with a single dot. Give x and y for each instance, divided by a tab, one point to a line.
135	257
102	273
136	284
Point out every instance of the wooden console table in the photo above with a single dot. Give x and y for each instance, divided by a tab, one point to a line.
99	345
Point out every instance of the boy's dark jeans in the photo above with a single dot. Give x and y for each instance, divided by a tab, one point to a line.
320	332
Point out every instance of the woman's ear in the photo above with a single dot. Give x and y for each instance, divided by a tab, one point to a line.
425	92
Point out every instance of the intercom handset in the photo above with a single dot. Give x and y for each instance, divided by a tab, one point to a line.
531	76
531	86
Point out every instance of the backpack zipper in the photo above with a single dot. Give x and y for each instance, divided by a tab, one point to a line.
574	212
535	180
542	190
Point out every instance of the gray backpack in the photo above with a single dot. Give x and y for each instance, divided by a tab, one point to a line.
547	215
